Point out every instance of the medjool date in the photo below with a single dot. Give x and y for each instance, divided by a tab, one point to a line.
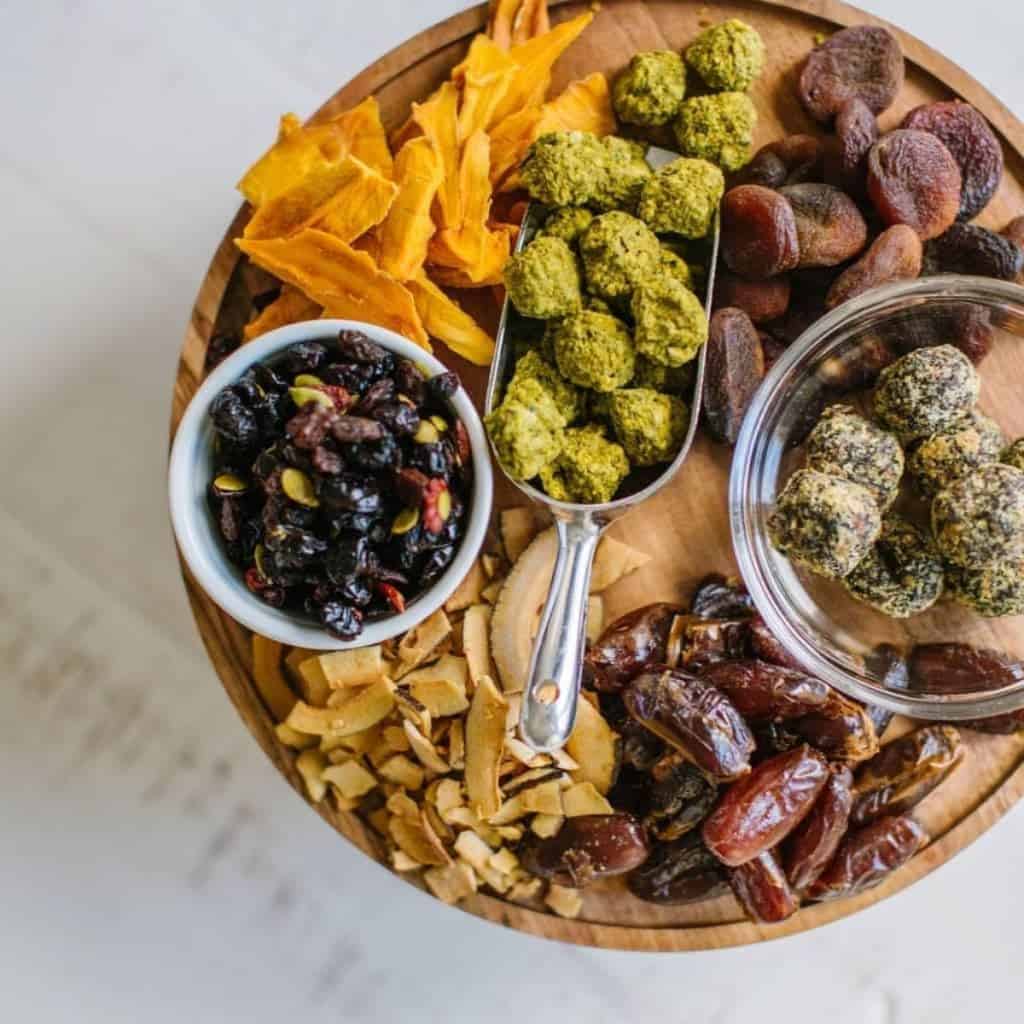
709	641
678	873
961	668
588	848
843	730
759	690
890	664
762	889
813	844
759	236
829	227
735	369
895	255
760	300
680	798
972	249
721	597
634	643
766	646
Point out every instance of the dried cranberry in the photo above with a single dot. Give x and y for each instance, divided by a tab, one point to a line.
309	426
229	519
410	381
327	462
356	430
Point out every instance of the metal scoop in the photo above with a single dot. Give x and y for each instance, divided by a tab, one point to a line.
552	688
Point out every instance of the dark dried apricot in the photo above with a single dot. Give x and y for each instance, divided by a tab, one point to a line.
762	889
1014	231
772	347
760	300
913	179
975	148
759	238
895	255
863	62
735	368
857	132
857	366
829	227
972	249
765	168
803	156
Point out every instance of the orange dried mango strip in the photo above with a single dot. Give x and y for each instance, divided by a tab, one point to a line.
361	204
486	74
531	20
361	133
438	120
446	320
407	231
450	277
500	21
510	140
584	106
346	282
290	307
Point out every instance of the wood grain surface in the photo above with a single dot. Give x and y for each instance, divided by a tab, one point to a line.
686	526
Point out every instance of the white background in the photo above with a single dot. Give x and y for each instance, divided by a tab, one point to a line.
153	867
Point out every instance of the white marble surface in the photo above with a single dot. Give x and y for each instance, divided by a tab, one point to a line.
153	867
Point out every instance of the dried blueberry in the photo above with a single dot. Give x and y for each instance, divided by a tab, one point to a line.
432	459
410	381
327	461
357	347
435	564
348	558
443	386
293	548
341	620
400	419
375	455
351	376
382	390
305	357
351	493
233	420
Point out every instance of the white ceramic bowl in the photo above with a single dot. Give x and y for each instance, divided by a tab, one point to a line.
196	532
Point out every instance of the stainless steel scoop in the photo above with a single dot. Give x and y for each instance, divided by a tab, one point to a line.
552	687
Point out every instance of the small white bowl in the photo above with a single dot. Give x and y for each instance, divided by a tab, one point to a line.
196	532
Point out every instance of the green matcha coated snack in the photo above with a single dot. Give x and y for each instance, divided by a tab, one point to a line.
729	56
991	592
825	523
672	265
925	391
543	280
670	380
534	369
626	171
902	574
595	351
979	520
565	168
670	321
1014	454
717	128
650	426
619	252
650	90
971	441
567	223
589	470
846	445
526	438
682	198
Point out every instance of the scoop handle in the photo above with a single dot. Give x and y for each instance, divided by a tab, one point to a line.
553	684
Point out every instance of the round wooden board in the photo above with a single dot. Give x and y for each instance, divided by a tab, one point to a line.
686	527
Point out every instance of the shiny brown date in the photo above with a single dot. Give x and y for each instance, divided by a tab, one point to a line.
814	842
843	730
762	889
680	798
677	873
766	646
758	812
721	597
694	718
905	771
709	641
868	856
588	848
632	644
960	668
760	690
889	663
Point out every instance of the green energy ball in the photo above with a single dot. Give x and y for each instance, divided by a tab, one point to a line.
626	173
846	445
978	520
925	391
650	426
718	128
564	168
825	523
670	380
619	252
651	88
589	469
970	442
1014	454
670	321
727	56
568	223
673	265
526	437
682	198
543	280
594	350
902	574
533	368
992	592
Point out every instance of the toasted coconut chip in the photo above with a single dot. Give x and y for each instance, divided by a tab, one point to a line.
444	831
451	884
394	736
524	754
582	799
402	862
402	771
441	687
338	756
312	682
564	761
424	749
527	779
564	902
269	679
357	743
417	646
676	640
344	804
463	817
546	825
457	744
518	527
310	764
412	710
511	810
402	805
495	879
378	820
364	709
595	617
595	747
515	707
468	591
613	561
476	642
492	565
416	838
504	861
293	738
527	890
485	740
492	592
351	779
446	794
360	667
473	850
544	798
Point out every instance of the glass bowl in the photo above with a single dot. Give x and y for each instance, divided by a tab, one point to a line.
834	636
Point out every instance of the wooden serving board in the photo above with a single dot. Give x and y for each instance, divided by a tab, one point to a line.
686	527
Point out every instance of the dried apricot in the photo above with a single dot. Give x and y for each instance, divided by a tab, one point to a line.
765	168
913	179
760	300
829	227
895	255
856	132
972	249
735	369
759	237
863	62
803	156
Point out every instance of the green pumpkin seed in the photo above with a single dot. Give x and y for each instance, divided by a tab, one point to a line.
299	488
303	396
227	484
444	504
405	521
439	421
257	557
427	433
308	380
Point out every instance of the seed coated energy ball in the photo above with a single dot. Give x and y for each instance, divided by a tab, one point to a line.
619	253
543	280
926	391
651	427
846	445
1014	454
902	575
991	592
593	350
650	90
626	171
727	56
589	469
564	168
568	223
682	198
979	520
672	265
526	437
533	367
670	321
718	128
670	380
825	523
972	441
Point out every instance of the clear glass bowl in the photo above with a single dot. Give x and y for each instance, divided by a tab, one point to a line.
834	636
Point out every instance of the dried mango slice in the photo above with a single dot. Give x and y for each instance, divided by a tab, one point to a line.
346	282
407	231
511	139
290	307
500	20
451	277
485	74
512	22
361	134
446	320
361	204
438	119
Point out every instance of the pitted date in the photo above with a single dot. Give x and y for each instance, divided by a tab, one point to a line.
961	668
709	641
696	719
721	597
814	842
758	812
905	771
760	690
998	725
773	738
766	646
889	663
843	730
588	848
868	856
634	643
762	889
677	873
680	798
640	747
